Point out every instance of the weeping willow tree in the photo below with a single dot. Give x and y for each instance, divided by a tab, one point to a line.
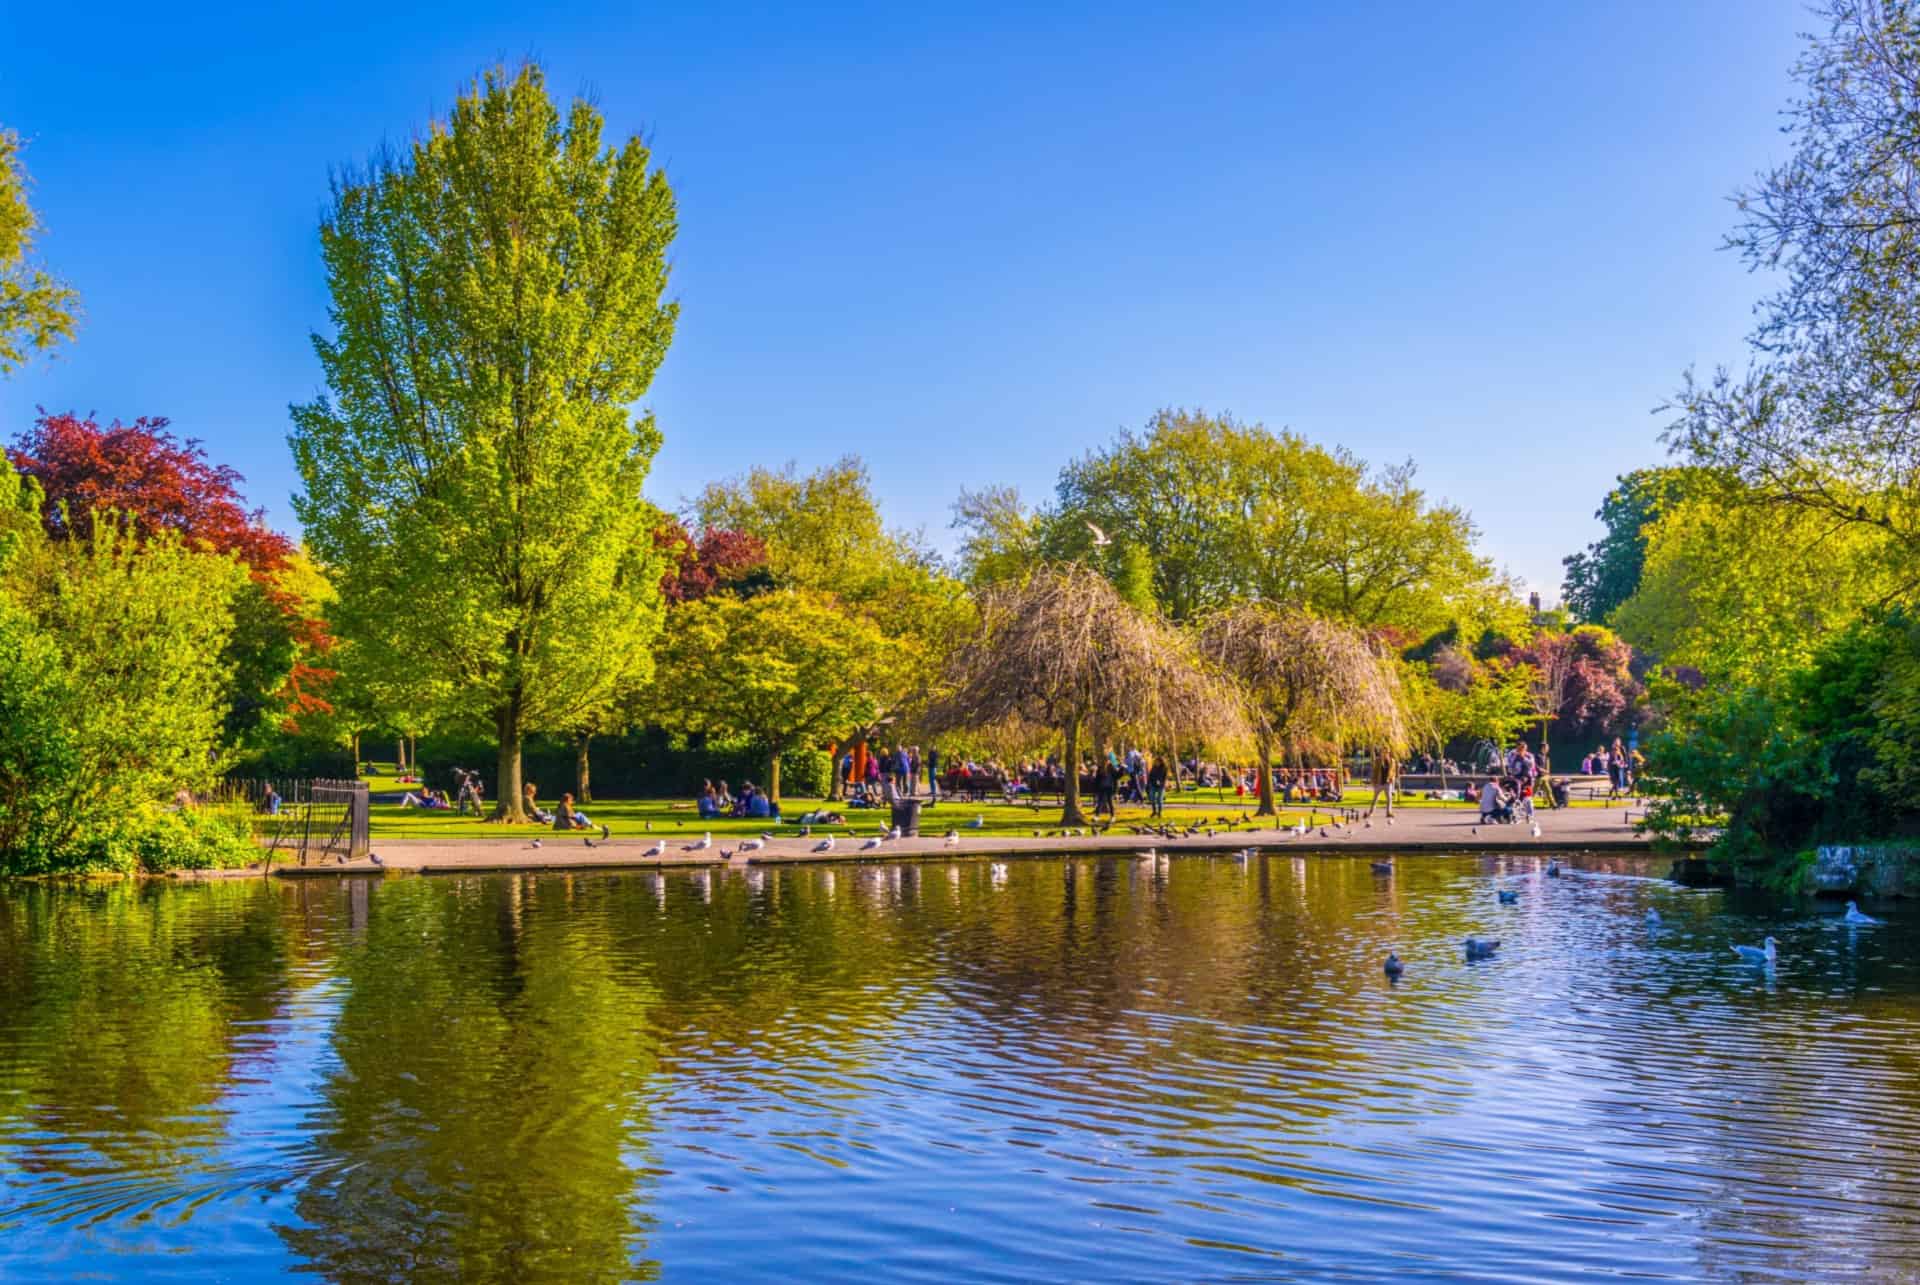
1306	683
1063	652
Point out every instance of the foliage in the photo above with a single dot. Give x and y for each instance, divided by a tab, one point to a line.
1579	681
36	310
473	482
820	531
1061	652
787	669
1466	699
1824	420
1608	571
720	562
1745	592
112	670
1307	684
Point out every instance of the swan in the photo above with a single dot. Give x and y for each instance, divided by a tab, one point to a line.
1763	955
1853	915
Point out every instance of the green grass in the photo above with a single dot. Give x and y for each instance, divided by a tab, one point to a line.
671	817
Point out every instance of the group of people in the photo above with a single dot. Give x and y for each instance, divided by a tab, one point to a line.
717	801
870	775
1617	763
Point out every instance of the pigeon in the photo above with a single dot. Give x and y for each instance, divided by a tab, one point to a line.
1508	896
649	827
825	845
534	844
1762	955
1100	538
658	849
893	833
375	858
1394	967
1481	948
726	854
1853	915
588	841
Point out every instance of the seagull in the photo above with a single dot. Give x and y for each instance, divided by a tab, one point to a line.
953	838
1100	538
1394	967
977	823
1481	948
658	849
534	844
1853	915
825	845
1653	918
753	845
1764	956
1508	896
893	833
871	843
1536	829
706	841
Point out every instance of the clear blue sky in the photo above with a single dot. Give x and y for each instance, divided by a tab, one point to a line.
968	242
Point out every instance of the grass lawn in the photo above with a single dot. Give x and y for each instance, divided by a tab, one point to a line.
673	817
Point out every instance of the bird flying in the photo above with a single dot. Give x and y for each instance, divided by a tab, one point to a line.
1100	538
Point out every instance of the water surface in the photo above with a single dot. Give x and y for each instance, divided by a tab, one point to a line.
1066	1070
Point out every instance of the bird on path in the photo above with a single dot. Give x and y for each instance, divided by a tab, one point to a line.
953	838
534	844
825	845
1100	538
1536	829
893	833
872	842
726	855
658	849
1853	915
588	841
1763	955
1481	948
606	832
1508	896
1394	967
375	858
753	845
705	842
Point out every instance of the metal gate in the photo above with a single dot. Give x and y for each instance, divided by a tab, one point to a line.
303	820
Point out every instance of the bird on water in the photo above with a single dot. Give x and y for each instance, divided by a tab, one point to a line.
1394	967
1853	915
1764	955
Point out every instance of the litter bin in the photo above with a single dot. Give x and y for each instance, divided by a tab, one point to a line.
906	817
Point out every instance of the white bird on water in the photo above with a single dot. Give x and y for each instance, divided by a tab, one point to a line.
1653	918
1764	955
999	871
1100	538
1853	915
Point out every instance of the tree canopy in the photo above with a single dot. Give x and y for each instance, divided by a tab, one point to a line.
473	478
37	310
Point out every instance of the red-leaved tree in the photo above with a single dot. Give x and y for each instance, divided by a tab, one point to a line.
161	483
719	561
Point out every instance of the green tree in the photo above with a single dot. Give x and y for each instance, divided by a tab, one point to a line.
786	670
36	310
1607	572
473	481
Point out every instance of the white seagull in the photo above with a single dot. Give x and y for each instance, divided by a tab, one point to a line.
706	841
659	849
1853	915
871	843
953	838
1100	538
753	845
1762	955
825	845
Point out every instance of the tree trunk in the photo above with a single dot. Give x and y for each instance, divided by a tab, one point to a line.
400	756
506	722
1266	808
354	749
582	770
1070	813
773	775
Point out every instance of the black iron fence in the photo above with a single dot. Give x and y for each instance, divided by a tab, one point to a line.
303	820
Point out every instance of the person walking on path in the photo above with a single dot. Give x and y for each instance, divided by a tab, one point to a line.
1386	780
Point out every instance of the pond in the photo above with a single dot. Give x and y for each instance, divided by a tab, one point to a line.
1059	1069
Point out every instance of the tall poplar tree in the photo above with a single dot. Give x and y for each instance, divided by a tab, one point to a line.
472	480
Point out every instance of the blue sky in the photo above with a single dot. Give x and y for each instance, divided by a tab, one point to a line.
970	242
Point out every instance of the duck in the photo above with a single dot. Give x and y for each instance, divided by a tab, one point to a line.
1853	915
1507	896
1393	966
1481	948
1553	869
1764	955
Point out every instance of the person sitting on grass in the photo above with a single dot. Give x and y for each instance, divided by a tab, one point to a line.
532	808
709	802
565	818
270	802
723	800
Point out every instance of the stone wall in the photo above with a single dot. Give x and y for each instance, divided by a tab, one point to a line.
1869	869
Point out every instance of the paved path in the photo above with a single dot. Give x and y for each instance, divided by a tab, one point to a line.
1413	831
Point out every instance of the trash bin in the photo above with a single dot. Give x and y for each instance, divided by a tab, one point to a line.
906	817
